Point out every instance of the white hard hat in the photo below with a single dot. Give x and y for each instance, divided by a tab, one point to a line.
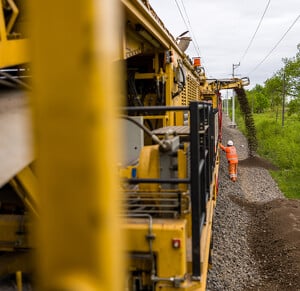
230	143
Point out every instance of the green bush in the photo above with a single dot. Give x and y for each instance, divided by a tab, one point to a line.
280	145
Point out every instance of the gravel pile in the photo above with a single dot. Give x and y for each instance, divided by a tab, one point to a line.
234	265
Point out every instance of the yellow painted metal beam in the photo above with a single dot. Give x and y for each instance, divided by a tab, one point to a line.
14	52
76	87
171	261
3	34
25	184
137	8
14	15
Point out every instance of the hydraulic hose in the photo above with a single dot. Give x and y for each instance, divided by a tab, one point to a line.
163	145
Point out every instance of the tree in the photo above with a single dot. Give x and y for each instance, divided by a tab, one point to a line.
273	90
292	73
284	83
258	99
262	103
294	107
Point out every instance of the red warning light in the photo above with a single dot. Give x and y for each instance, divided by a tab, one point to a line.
197	62
176	243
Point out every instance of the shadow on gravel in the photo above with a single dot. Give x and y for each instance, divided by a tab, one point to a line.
256	161
274	240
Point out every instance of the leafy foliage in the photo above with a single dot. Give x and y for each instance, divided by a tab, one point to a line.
294	107
274	90
280	145
258	99
279	141
292	73
284	83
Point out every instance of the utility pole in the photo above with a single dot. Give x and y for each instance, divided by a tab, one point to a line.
227	102
234	66
283	99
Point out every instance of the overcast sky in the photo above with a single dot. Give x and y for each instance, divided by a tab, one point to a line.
223	30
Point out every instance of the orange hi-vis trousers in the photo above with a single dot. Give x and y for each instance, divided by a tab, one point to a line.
232	168
232	159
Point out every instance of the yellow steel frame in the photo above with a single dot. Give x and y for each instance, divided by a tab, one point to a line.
171	262
137	8
17	230
164	231
12	51
25	185
149	167
210	89
75	88
15	13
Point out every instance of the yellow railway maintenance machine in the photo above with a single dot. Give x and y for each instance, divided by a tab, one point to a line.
73	102
85	55
18	193
170	166
169	173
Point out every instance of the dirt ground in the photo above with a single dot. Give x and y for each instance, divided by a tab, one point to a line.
275	237
275	243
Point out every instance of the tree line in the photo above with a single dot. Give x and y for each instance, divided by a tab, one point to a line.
279	142
282	89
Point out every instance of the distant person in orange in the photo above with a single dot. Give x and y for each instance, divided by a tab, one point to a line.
232	159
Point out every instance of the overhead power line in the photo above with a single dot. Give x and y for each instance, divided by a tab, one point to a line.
188	25
260	21
196	46
276	45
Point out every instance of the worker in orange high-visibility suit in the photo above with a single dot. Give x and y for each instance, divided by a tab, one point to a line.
232	159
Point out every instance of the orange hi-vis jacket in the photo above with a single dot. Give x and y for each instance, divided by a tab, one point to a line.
232	158
231	154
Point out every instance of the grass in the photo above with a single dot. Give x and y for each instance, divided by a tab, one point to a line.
280	145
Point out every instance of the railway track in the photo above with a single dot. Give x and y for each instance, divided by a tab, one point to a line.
256	229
